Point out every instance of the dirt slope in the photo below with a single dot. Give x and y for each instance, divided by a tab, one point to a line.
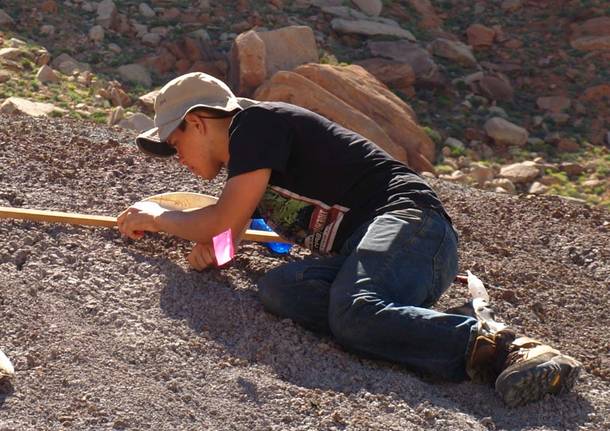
107	333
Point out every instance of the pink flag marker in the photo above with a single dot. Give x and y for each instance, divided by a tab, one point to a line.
223	247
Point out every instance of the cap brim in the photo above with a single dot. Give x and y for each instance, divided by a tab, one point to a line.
152	143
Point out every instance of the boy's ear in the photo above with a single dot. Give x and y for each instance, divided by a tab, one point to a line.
191	118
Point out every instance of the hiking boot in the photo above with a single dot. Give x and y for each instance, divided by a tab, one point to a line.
523	370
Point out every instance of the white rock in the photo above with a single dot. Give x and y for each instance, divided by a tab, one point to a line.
17	43
96	33
505	132
504	184
6	368
524	172
138	122
369	7
136	73
370	28
34	109
537	188
46	74
11	53
481	173
5	19
146	11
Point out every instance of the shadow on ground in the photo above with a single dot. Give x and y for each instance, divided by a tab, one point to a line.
218	307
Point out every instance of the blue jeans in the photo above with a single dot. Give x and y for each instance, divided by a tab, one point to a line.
372	296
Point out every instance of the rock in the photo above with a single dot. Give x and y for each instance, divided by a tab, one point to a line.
152	39
554	103
289	47
511	5
480	36
391	72
496	87
591	43
106	13
5	19
33	109
96	34
49	6
599	26
136	73
505	133
248	63
429	18
17	43
456	177
369	7
295	88
568	145
114	48
426	70
596	93
118	97
46	74
572	169
593	182
524	172
11	53
355	86
68	65
146	11
504	184
370	28
4	76
115	116
454	50
138	122
147	101
454	143
47	29
355	15
537	188
481	173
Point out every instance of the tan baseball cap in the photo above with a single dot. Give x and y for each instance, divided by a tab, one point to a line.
180	96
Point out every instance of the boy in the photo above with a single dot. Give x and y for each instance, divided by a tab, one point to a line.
388	247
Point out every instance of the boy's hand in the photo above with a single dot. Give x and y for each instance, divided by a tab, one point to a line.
202	256
139	218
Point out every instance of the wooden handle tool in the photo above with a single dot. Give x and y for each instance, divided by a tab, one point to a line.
105	221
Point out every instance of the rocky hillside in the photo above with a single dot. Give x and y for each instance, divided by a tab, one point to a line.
511	96
110	334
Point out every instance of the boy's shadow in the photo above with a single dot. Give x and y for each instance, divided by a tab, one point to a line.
222	306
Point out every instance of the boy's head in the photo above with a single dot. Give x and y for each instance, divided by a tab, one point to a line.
195	93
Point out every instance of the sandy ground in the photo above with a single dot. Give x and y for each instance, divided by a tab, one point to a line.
107	333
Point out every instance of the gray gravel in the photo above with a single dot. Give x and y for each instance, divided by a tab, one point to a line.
107	333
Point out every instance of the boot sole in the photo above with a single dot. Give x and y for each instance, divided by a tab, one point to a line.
533	379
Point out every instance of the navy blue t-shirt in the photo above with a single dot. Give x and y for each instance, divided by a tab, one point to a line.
326	180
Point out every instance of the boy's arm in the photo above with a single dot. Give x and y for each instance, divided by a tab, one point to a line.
234	208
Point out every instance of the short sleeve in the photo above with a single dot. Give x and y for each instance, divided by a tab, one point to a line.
258	139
